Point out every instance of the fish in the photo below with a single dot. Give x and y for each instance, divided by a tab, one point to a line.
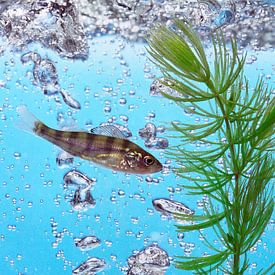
99	146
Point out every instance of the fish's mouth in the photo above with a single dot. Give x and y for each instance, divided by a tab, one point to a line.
157	168
160	167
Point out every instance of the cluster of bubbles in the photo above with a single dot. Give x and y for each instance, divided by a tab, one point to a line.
151	260
45	76
171	208
64	159
58	235
86	243
54	24
91	266
133	19
149	134
64	26
157	88
79	186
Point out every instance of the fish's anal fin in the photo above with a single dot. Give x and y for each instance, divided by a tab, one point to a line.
108	130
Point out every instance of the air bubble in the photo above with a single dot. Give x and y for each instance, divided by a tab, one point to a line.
121	193
107	109
152	259
69	100
122	101
17	155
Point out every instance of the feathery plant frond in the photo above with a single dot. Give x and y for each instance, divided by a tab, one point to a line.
234	165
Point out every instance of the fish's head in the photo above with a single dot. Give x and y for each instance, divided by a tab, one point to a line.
142	163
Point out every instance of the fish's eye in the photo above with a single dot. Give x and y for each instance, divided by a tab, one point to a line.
148	160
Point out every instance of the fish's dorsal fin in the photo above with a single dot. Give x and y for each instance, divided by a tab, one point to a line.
108	130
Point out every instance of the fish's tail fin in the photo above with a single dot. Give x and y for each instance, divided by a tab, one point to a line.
26	121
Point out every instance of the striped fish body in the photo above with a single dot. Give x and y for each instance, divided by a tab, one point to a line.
112	152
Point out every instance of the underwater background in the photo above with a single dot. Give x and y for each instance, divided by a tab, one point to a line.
111	77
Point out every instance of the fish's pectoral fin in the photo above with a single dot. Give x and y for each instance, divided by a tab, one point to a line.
108	130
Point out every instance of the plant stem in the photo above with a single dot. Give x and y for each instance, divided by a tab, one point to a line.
236	261
236	205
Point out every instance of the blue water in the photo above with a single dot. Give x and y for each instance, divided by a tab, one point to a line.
32	195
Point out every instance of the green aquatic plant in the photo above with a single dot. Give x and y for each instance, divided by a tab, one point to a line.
234	164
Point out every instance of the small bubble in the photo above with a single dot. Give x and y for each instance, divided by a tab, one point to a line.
113	199
17	155
107	109
54	245
11	262
121	193
135	220
200	204
107	89
108	243
124	118
187	251
180	236
152	115
122	101
189	110
156	180
113	257
11	227
150	211
171	189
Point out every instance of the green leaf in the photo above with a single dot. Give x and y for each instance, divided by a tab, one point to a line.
195	263
267	271
213	219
